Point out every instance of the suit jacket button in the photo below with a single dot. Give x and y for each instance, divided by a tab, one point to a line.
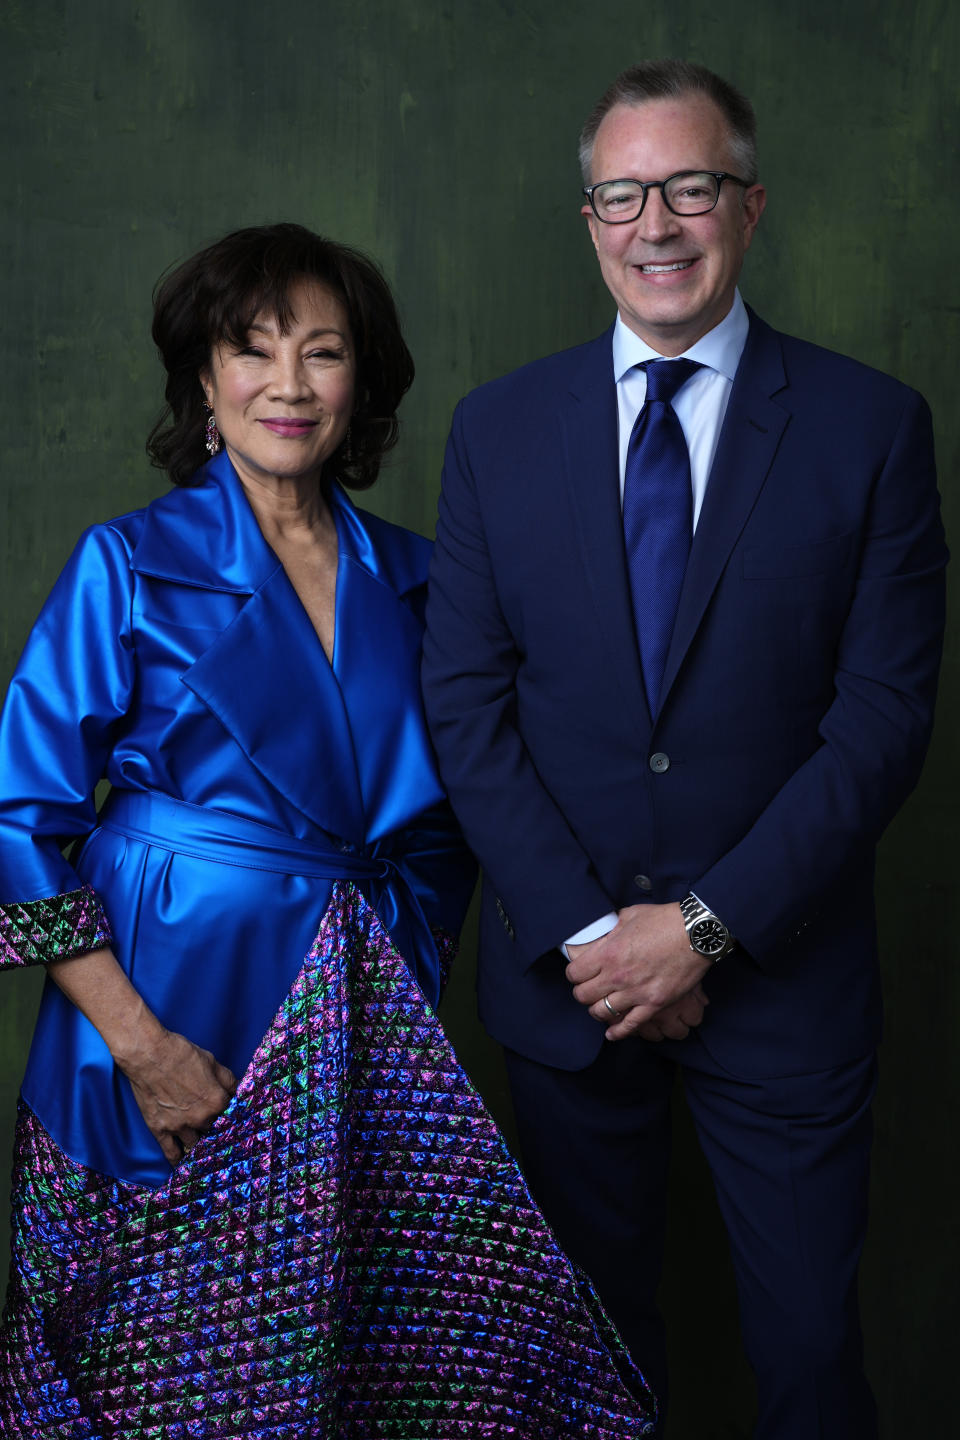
659	762
643	882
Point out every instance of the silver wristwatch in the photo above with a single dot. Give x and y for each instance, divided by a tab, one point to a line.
708	936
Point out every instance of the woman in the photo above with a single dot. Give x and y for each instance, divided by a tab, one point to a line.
255	1194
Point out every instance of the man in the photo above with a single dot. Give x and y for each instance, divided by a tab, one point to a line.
683	635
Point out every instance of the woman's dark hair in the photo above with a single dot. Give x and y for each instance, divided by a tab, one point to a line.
215	296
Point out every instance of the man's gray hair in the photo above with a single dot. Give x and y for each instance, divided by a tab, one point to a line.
672	80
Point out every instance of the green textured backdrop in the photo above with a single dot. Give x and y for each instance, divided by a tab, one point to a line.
423	132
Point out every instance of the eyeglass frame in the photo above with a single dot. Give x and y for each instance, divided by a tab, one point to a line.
647	185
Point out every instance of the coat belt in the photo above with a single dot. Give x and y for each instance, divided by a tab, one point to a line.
228	839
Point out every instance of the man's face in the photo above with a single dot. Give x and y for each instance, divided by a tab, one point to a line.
671	308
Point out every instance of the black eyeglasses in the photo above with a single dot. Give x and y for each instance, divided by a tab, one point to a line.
689	192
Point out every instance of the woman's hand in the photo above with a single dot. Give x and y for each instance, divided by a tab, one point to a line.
180	1088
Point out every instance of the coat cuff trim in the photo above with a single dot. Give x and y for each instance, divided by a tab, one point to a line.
59	927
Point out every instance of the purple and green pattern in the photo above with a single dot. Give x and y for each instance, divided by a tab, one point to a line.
350	1252
59	927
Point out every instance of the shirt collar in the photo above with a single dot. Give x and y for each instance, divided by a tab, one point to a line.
720	349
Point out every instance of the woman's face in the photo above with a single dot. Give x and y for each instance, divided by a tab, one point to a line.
283	402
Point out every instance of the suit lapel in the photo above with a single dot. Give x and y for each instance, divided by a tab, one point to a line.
589	422
752	430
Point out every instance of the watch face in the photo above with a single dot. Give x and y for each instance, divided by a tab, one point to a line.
709	937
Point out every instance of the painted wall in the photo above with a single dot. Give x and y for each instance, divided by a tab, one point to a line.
440	136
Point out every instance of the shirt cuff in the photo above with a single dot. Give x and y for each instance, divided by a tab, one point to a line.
593	931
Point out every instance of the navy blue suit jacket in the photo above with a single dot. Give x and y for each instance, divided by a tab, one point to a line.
796	704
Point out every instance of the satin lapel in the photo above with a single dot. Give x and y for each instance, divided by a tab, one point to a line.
377	661
268	682
265	677
589	421
205	535
752	429
381	585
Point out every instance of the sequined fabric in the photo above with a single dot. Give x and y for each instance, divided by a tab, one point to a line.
56	928
350	1252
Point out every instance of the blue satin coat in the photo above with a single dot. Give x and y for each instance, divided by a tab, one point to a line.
173	657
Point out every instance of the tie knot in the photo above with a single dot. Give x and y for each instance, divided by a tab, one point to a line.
666	377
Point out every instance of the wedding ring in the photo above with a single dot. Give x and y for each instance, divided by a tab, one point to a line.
617	1014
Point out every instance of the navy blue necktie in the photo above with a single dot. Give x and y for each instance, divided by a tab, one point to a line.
657	516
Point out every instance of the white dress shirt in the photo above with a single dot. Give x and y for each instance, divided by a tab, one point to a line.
700	407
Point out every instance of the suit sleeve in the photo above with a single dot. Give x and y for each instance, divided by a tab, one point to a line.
70	690
873	737
540	871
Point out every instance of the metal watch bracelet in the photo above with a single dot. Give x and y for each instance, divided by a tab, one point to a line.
707	934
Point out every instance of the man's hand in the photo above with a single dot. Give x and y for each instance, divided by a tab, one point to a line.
645	970
674	1022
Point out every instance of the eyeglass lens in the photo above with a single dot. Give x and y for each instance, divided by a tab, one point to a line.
692	193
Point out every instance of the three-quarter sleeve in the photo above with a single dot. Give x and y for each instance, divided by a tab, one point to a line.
66	700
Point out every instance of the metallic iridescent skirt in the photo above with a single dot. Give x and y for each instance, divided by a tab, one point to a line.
351	1251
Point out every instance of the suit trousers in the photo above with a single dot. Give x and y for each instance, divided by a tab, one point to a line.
790	1163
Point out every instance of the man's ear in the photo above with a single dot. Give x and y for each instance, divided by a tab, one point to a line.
753	205
587	212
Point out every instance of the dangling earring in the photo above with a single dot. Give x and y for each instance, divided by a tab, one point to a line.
348	445
211	434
